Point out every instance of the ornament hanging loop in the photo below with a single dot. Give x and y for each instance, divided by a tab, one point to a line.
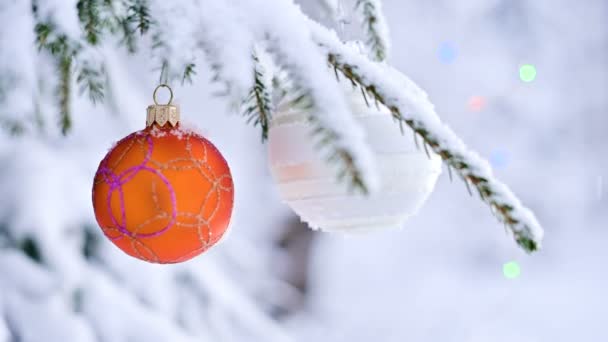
156	91
162	114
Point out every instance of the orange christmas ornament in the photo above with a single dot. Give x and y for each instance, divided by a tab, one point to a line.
163	194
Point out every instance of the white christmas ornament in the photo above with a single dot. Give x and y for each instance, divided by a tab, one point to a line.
309	186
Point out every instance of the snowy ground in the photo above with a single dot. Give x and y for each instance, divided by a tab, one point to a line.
439	279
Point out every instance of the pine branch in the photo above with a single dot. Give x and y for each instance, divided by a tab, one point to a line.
327	138
121	22
131	17
189	72
165	76
174	55
258	106
408	104
128	34
91	78
64	93
138	12
63	51
347	168
374	25
338	136
216	66
89	16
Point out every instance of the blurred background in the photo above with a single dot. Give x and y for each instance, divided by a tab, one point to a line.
525	83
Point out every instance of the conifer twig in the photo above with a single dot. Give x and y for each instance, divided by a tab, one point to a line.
328	139
89	16
64	93
63	49
408	104
369	13
258	106
91	77
138	12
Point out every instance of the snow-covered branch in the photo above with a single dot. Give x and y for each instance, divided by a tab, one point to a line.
227	33
409	104
173	46
228	43
338	136
369	15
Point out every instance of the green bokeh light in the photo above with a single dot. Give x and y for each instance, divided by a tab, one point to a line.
527	73
511	270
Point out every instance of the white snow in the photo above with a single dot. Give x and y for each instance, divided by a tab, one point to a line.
46	319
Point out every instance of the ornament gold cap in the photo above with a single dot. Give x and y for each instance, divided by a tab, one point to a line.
162	114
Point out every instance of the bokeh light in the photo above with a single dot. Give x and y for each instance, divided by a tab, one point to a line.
511	270
477	103
527	72
447	52
499	159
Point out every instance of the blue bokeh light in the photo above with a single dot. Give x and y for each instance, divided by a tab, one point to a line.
499	159
447	52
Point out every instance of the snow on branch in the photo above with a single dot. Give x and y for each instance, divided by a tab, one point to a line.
172	44
377	40
409	104
340	139
228	44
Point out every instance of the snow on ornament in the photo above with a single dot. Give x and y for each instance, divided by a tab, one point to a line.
308	184
163	194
